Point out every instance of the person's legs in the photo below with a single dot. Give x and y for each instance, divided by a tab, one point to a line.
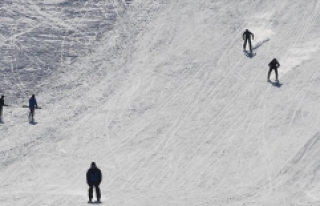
98	192
31	114
90	192
250	45
270	69
276	70
245	44
1	113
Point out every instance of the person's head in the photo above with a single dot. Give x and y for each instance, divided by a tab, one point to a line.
247	30
33	96
93	165
2	96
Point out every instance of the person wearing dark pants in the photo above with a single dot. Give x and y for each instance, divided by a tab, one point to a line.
273	65
247	35
32	106
2	104
94	178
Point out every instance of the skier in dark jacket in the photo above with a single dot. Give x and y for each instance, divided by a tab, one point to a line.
247	38
32	106
2	104
273	65
94	178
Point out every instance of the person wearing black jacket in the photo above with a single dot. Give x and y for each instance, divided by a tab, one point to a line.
94	178
2	104
32	106
273	65
247	38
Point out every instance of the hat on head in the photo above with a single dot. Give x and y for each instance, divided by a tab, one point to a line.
93	164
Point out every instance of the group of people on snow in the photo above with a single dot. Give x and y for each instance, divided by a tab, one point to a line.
32	107
94	175
273	65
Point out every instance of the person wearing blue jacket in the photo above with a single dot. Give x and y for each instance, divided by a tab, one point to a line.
32	106
94	178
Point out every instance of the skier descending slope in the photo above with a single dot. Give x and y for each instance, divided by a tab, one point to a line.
2	104
247	38
32	106
273	65
94	178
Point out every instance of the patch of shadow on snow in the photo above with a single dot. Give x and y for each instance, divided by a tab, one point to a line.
259	44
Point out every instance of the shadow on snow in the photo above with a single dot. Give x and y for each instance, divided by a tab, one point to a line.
276	84
249	54
33	123
259	44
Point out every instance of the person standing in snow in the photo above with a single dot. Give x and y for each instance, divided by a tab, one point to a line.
273	65
94	178
2	104
32	106
247	38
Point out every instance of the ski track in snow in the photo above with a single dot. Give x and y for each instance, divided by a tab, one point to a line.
161	96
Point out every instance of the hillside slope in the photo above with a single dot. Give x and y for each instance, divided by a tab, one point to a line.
161	96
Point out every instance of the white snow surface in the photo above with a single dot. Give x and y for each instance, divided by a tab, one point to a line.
161	96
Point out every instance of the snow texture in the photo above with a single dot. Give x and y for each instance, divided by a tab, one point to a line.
161	96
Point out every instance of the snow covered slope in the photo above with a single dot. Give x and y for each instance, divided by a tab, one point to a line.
161	96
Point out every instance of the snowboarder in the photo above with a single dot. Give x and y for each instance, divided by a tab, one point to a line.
94	178
273	65
247	38
2	104
32	106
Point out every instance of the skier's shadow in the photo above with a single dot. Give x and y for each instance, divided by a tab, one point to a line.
94	203
33	123
276	84
249	54
259	44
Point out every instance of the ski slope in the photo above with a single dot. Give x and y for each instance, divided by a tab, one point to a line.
161	96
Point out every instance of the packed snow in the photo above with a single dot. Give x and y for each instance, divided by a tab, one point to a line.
161	96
